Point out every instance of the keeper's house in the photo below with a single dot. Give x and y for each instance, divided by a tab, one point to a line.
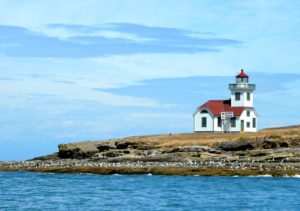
234	115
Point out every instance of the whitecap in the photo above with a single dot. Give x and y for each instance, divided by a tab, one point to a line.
292	176
263	175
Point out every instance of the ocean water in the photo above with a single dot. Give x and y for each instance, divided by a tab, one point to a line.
43	191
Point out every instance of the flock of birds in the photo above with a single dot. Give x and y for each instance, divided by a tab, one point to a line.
233	165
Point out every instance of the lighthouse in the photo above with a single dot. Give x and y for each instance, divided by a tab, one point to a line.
242	91
236	114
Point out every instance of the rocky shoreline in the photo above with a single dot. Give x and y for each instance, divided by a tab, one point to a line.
207	168
273	152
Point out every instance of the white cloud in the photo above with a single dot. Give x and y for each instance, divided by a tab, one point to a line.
21	93
64	34
79	79
86	79
37	13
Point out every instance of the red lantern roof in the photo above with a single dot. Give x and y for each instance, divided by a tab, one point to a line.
242	74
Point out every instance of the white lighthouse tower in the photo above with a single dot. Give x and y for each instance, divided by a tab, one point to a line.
242	91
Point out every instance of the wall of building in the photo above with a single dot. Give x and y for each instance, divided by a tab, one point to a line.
212	123
216	128
243	101
237	126
197	122
231	129
248	119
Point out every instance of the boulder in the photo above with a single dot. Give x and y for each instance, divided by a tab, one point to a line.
106	146
122	145
236	145
274	143
126	145
270	144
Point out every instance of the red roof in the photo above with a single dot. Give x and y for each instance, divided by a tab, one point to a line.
242	74
218	106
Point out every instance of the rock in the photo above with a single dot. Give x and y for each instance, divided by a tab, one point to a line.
274	143
270	144
280	156
109	154
236	145
53	156
122	145
106	146
284	144
259	154
134	145
193	149
145	147
125	145
76	151
295	141
67	151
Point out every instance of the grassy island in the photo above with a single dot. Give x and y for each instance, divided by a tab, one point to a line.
273	151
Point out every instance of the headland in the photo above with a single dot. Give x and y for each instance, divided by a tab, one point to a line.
273	151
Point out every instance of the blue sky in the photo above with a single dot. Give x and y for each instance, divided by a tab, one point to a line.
92	70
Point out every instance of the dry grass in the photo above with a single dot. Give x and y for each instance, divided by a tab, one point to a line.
212	139
206	139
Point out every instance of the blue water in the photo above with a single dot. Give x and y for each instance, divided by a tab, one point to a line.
42	191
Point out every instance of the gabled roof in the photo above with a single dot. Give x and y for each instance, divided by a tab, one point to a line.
218	106
242	74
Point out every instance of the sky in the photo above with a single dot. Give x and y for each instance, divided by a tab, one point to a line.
93	70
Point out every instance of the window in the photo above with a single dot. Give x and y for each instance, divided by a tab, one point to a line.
248	124
219	122
248	113
233	122
203	122
237	96
254	122
204	112
248	96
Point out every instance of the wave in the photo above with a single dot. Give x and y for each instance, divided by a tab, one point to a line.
293	176
264	175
